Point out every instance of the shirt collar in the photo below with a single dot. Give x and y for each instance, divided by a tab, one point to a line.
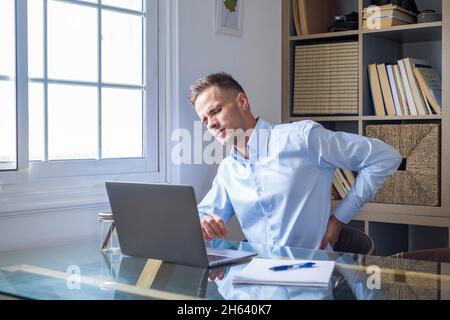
257	144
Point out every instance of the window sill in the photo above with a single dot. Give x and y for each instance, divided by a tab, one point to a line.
47	195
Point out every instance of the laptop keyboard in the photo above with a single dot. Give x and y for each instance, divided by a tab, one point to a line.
214	258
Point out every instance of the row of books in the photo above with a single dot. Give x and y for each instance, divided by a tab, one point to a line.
343	180
381	17
408	87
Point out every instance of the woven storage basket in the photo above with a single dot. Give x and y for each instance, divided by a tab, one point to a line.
417	182
326	79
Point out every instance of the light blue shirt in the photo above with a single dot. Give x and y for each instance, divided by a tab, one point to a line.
281	194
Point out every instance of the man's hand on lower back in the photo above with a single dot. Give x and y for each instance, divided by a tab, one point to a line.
213	227
332	234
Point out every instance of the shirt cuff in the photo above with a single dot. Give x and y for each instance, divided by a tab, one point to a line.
203	214
346	211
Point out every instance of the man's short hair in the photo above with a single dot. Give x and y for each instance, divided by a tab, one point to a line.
222	80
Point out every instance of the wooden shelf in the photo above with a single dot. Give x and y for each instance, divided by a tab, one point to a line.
414	26
429	221
427	31
430	41
407	210
325	118
401	118
419	31
328	35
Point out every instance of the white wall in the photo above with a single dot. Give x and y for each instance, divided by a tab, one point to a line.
22	231
253	59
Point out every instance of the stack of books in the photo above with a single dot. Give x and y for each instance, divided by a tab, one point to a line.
382	17
343	180
408	87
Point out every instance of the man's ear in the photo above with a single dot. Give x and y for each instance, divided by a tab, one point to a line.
242	101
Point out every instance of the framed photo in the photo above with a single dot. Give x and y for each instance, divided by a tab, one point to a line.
229	17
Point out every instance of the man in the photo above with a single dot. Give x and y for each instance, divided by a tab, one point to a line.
277	180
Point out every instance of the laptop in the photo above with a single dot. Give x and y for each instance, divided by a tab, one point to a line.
161	221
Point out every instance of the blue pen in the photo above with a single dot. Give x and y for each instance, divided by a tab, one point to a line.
294	266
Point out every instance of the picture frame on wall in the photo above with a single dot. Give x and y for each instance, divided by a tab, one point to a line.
229	17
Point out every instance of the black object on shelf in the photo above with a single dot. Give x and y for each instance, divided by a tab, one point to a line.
429	16
345	22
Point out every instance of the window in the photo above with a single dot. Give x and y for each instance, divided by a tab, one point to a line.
79	100
87	80
8	110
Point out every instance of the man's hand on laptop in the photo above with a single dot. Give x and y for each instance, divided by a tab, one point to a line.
213	227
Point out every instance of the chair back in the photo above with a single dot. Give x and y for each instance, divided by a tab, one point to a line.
354	241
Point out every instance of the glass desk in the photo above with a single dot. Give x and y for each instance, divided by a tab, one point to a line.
83	271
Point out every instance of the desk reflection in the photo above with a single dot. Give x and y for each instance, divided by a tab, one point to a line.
158	275
347	283
43	273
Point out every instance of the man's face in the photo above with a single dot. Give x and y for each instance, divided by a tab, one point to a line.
221	110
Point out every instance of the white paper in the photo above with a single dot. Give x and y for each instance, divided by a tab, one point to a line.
258	272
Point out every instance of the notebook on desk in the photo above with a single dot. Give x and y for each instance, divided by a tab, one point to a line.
258	272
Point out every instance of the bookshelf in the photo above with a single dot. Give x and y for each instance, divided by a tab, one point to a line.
429	41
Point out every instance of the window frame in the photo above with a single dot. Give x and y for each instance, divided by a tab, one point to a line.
150	162
16	93
42	188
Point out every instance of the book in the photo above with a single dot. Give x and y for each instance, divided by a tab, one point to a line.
410	64
375	87
401	90
392	15
296	18
430	83
349	176
386	90
342	180
427	104
384	23
389	15
388	9
258	272
394	90
339	187
334	194
316	16
408	92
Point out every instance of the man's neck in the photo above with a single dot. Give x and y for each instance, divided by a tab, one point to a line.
242	148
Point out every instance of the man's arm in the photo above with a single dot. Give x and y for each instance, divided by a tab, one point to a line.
215	210
374	160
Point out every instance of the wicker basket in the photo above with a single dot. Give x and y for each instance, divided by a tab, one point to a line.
418	180
326	79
